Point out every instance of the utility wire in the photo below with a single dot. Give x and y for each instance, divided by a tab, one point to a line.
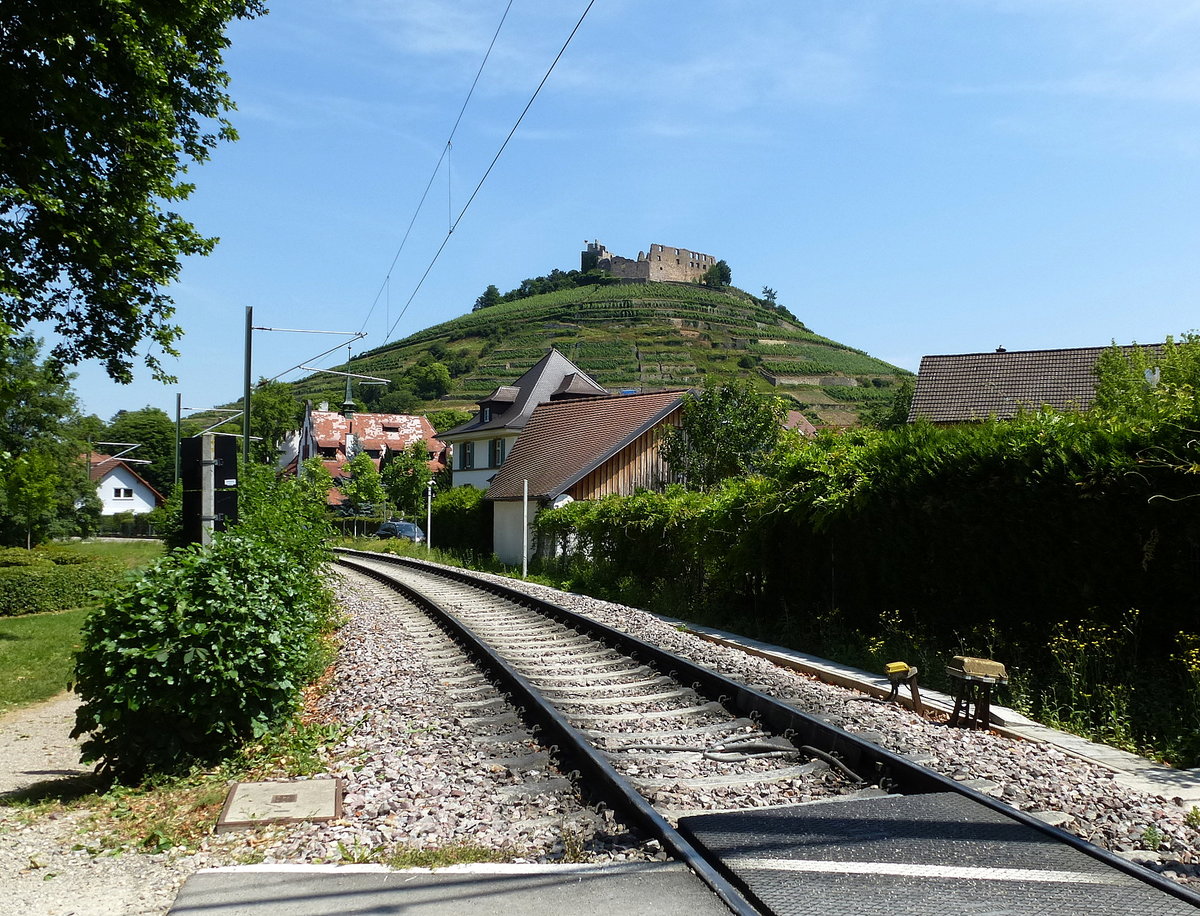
445	151
466	206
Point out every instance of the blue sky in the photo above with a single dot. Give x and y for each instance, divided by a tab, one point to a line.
911	176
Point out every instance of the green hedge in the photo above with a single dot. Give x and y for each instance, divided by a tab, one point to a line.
462	520
1000	539
32	589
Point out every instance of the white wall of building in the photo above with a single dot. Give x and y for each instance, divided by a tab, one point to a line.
121	491
481	474
507	529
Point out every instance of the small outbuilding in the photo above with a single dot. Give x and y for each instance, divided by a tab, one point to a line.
580	449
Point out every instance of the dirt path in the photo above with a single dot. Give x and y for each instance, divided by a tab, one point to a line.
35	744
48	867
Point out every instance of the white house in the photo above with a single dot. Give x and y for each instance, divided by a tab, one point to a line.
120	487
483	443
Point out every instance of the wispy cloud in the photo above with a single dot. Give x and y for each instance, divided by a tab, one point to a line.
768	60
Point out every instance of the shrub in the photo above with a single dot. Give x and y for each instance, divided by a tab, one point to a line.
19	556
43	585
212	645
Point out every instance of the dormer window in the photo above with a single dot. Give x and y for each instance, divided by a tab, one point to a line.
485	415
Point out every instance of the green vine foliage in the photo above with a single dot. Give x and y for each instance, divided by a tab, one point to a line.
212	645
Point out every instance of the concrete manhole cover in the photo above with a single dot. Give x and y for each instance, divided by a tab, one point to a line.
251	804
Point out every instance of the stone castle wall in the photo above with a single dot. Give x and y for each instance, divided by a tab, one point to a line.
664	263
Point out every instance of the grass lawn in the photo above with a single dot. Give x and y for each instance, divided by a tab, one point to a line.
132	553
37	655
37	651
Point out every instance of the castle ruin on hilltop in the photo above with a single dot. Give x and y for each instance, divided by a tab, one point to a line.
663	264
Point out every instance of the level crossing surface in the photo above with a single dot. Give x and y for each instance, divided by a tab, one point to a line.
914	855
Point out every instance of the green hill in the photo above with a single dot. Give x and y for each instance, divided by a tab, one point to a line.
645	336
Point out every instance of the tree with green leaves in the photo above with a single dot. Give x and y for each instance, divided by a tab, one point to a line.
442	420
726	430
31	484
35	397
406	475
105	105
45	488
398	400
428	381
361	484
1151	383
718	276
490	297
894	413
315	480
274	413
154	433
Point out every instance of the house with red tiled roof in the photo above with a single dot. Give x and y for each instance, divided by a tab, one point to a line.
483	443
120	487
580	449
335	438
967	387
797	421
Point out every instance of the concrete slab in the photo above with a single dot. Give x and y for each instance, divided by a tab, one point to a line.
635	889
251	804
916	855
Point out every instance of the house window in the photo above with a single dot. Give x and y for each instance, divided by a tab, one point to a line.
496	458
122	493
467	461
485	415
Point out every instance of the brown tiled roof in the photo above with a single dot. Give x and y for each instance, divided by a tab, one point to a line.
539	383
975	386
565	440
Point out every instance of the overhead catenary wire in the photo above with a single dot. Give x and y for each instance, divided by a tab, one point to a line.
491	165
438	165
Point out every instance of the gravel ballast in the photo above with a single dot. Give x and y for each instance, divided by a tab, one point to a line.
414	776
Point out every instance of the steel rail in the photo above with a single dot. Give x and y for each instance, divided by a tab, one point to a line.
871	762
596	777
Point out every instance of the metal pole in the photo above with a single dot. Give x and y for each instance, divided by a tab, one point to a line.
178	411
525	531
246	389
208	495
429	515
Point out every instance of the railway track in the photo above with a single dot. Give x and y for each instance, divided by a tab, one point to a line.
670	745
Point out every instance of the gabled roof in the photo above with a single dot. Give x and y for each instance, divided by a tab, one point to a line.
513	404
975	386
566	440
102	465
